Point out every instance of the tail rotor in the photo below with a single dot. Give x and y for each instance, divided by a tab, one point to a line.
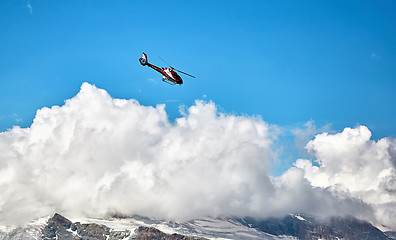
143	60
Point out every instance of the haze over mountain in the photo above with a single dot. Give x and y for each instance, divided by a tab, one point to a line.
98	156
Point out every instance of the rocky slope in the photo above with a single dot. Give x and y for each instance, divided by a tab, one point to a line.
136	228
305	227
60	228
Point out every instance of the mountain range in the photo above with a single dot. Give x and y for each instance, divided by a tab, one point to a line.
140	228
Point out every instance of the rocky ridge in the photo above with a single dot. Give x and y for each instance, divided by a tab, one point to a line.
61	228
305	227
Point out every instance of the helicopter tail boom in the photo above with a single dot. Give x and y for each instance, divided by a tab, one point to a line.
143	60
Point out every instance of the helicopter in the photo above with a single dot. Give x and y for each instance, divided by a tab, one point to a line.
170	75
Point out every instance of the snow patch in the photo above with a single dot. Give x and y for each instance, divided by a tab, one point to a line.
300	218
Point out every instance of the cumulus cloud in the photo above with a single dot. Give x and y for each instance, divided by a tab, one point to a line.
303	135
98	156
351	163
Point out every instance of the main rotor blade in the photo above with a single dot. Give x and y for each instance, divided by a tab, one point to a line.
184	73
176	69
165	62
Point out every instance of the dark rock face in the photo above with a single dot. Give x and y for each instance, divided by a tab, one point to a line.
347	228
57	226
61	228
91	231
150	233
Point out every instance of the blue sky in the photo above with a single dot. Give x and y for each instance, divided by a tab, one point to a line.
333	62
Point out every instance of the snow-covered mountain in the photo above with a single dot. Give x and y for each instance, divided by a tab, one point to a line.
59	227
290	227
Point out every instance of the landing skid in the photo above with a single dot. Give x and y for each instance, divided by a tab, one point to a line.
168	82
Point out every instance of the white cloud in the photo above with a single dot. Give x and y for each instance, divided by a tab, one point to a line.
97	156
29	6
351	163
17	118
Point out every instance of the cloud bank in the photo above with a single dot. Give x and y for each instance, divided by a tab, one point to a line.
98	156
351	163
